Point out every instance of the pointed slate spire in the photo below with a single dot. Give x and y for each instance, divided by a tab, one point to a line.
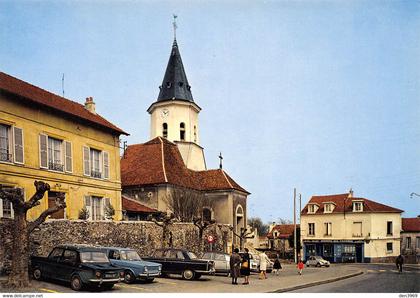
175	84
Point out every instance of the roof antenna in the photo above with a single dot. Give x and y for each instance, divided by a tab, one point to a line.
221	161
62	84
175	26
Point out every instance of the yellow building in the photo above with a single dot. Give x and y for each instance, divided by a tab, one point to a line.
343	228
46	137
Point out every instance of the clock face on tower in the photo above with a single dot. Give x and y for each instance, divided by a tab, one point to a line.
164	113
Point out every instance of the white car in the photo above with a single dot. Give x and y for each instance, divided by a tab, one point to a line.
317	261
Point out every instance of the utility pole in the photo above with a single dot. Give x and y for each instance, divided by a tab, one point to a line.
294	223
300	219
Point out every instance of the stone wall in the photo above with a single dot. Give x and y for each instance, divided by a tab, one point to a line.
144	236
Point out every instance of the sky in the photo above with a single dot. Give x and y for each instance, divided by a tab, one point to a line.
321	96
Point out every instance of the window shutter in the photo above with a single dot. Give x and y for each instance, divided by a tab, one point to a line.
18	143
86	160
68	156
88	204
43	151
106	165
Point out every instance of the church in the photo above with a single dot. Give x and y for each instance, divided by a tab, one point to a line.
173	159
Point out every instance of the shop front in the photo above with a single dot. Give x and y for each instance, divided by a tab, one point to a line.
335	251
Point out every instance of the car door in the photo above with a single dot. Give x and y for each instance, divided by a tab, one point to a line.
219	262
67	264
51	267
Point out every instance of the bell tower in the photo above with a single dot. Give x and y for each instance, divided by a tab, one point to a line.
174	115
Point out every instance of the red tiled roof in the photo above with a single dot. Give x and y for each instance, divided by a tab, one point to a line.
132	205
159	161
343	202
411	224
33	94
283	231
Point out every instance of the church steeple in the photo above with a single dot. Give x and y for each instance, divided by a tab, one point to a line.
175	83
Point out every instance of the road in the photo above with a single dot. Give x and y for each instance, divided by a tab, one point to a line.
376	279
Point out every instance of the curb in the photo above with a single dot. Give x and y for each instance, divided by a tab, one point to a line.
317	283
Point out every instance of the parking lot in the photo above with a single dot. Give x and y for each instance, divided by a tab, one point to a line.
287	278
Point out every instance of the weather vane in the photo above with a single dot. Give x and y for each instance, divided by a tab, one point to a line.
175	26
221	161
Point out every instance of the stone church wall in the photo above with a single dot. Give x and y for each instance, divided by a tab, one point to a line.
143	236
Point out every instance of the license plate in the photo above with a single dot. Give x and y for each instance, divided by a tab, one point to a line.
109	275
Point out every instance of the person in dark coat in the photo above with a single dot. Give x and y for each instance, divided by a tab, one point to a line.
399	262
235	266
245	267
276	265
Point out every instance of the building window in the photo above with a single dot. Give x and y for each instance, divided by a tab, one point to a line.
357	206
55	154
195	134
328	250
327	208
357	229
206	214
11	144
389	228
389	247
328	227
95	163
418	242
95	205
165	130
408	242
311	208
182	131
52	197
6	208
311	229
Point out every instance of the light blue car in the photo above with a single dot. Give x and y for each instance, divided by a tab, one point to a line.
134	267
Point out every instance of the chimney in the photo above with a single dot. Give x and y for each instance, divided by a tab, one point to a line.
350	193
90	105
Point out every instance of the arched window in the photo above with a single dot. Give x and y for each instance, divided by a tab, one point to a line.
182	131
206	214
195	134
165	130
240	219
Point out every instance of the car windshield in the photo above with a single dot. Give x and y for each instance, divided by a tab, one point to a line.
192	255
318	258
93	257
130	255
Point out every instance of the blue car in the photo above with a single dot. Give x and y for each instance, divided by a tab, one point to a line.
134	267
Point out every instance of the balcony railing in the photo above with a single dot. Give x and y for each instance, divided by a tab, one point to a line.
55	166
5	157
95	174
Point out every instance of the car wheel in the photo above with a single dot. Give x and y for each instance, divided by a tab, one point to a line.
37	274
318	264
188	274
129	277
228	274
76	283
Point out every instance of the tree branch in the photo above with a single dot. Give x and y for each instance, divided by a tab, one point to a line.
41	187
13	195
59	204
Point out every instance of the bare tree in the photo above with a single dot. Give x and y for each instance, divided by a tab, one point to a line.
164	222
202	225
18	278
243	234
186	204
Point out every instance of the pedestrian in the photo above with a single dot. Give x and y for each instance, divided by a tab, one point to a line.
245	266
399	262
300	267
277	265
263	265
235	266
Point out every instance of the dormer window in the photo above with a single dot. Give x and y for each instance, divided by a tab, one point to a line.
168	85
312	208
328	207
357	206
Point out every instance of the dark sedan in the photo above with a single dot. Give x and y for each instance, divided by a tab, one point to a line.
79	265
181	261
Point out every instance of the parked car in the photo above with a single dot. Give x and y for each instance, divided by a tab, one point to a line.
181	261
79	265
317	261
134	266
221	261
254	261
